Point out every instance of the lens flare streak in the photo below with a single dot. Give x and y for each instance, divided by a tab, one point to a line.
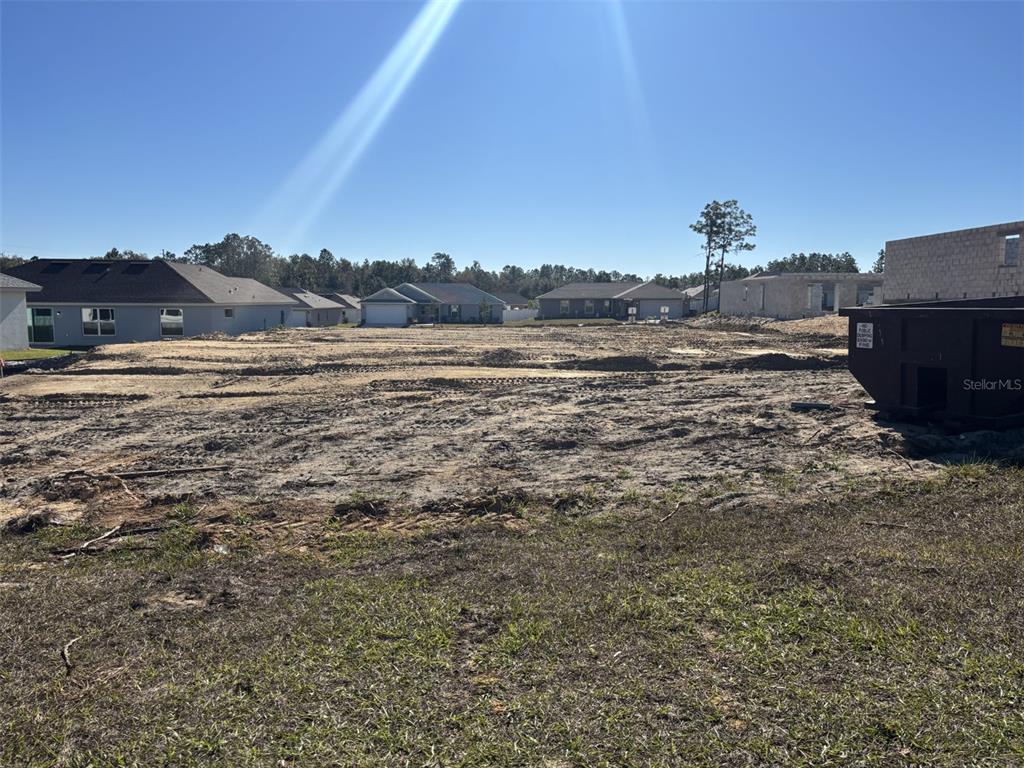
309	189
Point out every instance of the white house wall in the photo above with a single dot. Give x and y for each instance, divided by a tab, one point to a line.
13	320
142	322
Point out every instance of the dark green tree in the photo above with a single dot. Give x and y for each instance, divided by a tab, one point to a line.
879	265
738	226
711	224
814	262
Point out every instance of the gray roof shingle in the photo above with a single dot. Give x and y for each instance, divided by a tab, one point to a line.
309	300
621	290
141	282
447	293
343	299
387	296
13	283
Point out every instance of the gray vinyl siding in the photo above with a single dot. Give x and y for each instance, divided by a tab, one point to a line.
618	309
646	308
142	322
314	318
551	309
468	313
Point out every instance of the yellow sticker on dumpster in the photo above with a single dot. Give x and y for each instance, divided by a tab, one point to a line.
1013	334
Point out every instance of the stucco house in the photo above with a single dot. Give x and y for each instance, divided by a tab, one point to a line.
792	295
512	299
351	307
978	263
620	301
313	310
411	303
85	303
695	297
14	311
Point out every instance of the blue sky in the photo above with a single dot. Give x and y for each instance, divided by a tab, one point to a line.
578	133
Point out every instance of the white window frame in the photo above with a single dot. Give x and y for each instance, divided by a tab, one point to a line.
563	307
229	312
588	307
181	325
455	312
30	315
106	327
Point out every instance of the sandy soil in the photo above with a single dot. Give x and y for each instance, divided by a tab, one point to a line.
314	416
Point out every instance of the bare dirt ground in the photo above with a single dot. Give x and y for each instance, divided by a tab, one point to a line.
415	415
555	546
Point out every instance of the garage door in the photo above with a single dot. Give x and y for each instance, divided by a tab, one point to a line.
385	314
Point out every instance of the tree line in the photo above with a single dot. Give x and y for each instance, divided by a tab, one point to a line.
245	256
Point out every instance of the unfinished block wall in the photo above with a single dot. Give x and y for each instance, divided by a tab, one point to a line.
968	263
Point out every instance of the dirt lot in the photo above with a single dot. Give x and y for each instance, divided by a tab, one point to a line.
515	546
419	414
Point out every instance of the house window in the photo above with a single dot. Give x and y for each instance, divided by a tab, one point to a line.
760	304
1011	251
454	312
229	312
97	322
40	325
588	307
746	292
172	322
607	306
563	308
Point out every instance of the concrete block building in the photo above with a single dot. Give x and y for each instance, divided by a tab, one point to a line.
966	264
792	295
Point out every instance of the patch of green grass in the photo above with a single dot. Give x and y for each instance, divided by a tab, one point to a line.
33	354
785	635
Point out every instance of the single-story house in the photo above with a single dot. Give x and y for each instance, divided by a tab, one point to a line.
14	311
86	303
695	296
351	307
621	301
792	295
313	310
431	303
512	299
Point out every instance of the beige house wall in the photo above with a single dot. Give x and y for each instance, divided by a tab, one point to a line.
792	296
966	264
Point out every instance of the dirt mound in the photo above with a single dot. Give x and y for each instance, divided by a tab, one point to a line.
829	325
776	361
497	358
612	363
733	323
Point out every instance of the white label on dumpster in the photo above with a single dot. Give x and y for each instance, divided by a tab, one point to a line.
865	335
